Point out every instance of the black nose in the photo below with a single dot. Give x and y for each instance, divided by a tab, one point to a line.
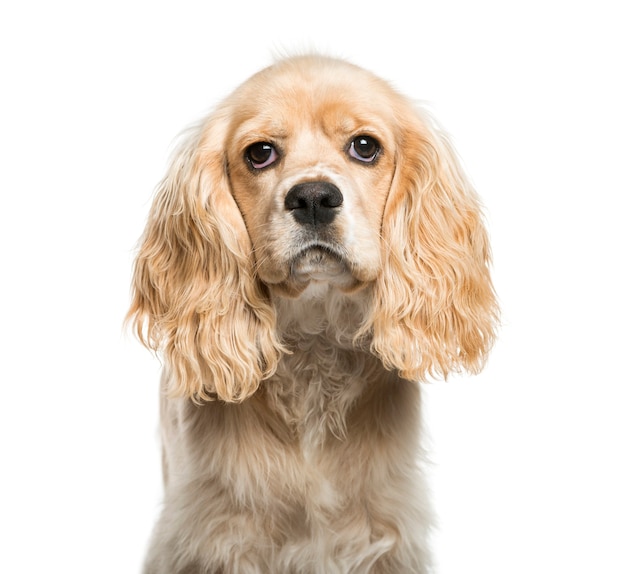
314	202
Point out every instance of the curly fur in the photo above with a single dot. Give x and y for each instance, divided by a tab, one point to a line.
290	407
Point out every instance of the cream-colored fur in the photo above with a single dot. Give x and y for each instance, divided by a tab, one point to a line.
293	347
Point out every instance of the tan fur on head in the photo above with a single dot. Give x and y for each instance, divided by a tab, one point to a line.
195	296
198	294
434	308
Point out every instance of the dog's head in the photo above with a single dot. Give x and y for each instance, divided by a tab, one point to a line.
313	172
311	153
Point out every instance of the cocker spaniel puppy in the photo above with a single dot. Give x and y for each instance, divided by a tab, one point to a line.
314	252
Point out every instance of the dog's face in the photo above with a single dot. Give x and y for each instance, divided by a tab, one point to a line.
313	172
311	160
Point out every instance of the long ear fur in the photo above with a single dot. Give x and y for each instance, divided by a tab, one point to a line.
194	294
434	308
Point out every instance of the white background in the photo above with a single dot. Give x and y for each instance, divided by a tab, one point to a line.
528	459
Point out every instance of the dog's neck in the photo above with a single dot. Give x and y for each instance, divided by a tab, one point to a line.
322	311
316	384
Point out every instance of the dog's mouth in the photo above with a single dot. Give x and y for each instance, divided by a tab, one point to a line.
319	262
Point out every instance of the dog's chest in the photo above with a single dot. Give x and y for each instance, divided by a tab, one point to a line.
315	389
313	401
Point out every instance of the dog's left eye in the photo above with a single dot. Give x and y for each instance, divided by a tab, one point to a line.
364	148
261	154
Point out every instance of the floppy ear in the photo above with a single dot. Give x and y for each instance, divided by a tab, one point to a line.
434	308
195	297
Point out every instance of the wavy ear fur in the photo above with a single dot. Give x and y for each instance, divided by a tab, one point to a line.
434	308
194	294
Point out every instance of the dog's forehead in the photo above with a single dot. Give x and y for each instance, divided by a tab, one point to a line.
335	95
313	77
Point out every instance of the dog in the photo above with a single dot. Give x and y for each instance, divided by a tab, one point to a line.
314	253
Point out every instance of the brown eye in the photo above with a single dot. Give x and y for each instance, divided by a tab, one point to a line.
261	154
364	148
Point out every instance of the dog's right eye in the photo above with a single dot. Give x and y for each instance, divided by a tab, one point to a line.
261	154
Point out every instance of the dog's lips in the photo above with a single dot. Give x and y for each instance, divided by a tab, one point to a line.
318	262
